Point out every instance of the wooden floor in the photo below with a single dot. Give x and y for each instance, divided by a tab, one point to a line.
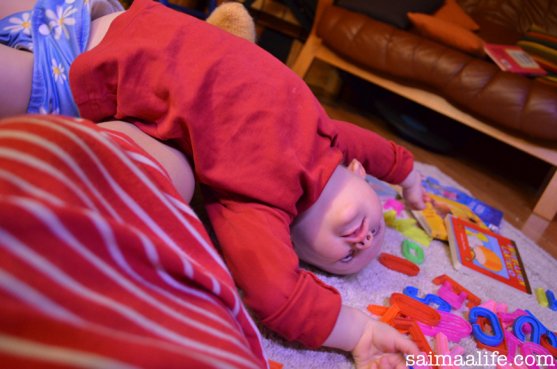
493	172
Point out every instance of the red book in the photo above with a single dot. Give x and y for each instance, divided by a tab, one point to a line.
512	58
486	252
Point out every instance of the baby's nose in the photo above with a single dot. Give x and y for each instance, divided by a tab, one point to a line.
365	242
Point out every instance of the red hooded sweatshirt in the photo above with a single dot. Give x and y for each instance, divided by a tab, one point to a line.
260	143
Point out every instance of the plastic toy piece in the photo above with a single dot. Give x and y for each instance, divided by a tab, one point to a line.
472	299
414	309
453	326
545	342
441	344
447	293
551	338
534	350
378	310
485	325
399	264
539	334
545	332
410	327
541	297
442	348
495	306
407	227
527	348
390	314
429	299
418	235
390	218
489	305
395	205
479	334
551	300
537	328
275	365
413	252
513	345
507	319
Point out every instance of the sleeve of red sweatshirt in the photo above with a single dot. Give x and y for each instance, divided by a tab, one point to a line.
255	241
380	157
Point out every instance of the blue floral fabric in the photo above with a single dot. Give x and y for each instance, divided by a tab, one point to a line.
15	31
56	31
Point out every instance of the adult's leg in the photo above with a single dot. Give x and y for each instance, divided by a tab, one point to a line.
8	7
16	71
99	27
174	162
16	67
167	299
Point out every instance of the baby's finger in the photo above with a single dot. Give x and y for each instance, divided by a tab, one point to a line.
407	346
414	198
390	361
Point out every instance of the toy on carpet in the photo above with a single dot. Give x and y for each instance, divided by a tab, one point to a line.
546	298
393	204
399	264
472	299
412	252
407	227
429	299
454	327
275	365
551	300
506	334
446	292
541	297
492	326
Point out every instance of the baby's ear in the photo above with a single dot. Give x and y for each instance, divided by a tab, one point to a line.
357	168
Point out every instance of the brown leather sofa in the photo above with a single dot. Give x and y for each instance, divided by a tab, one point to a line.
518	110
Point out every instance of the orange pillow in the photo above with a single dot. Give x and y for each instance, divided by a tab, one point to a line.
453	13
447	33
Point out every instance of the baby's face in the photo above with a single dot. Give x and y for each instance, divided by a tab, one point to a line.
343	231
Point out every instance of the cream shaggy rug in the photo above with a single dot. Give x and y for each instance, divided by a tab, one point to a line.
376	283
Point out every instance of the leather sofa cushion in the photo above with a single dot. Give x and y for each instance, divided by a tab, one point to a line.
473	84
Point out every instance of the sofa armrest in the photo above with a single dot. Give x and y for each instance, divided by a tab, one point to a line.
321	6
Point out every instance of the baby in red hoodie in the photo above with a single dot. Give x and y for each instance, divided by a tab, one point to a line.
278	175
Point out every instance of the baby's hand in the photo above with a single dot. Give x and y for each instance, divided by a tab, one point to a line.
412	190
374	345
382	347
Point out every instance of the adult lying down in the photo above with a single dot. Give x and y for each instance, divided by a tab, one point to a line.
103	263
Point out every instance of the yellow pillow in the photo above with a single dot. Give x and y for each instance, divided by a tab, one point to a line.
453	13
447	33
